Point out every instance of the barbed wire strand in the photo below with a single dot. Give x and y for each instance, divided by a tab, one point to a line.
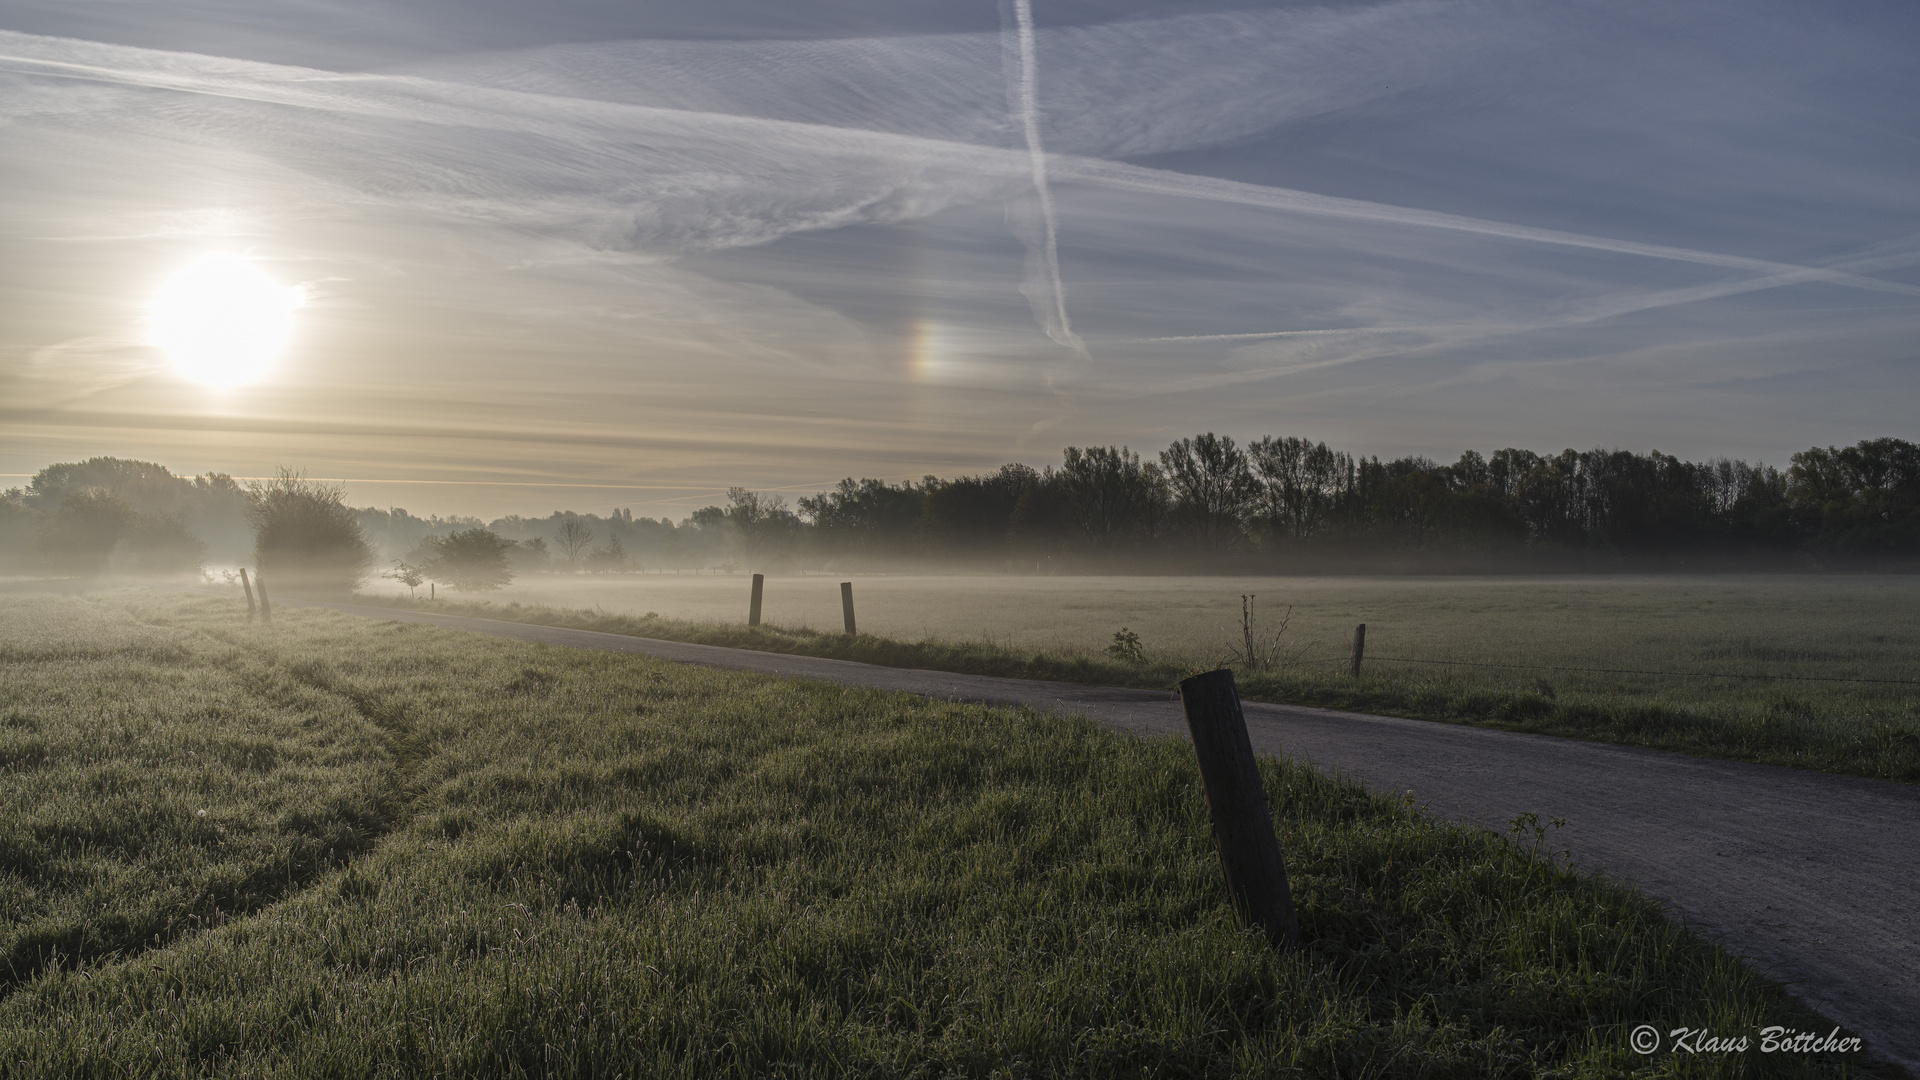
1620	671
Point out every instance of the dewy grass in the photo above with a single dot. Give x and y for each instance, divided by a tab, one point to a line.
549	862
1820	726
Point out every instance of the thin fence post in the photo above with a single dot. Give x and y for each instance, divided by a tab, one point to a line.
846	605
249	588
753	605
1250	858
1359	647
266	605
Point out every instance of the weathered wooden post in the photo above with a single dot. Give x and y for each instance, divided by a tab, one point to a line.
753	605
1242	823
846	605
266	605
1359	647
249	588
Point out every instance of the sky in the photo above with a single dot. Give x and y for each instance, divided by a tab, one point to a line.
593	254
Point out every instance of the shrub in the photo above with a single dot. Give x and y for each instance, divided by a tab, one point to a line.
305	538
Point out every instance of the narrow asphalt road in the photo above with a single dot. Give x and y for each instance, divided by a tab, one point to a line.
1815	877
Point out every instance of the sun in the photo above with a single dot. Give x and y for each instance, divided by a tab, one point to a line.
222	321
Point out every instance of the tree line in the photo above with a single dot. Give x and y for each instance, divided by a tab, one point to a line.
1287	504
1277	505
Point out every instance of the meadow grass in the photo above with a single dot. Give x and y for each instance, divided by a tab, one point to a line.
426	852
1861	728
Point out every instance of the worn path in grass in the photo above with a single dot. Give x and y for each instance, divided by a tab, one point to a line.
1814	876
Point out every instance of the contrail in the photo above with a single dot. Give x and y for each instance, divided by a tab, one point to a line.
1050	303
1261	334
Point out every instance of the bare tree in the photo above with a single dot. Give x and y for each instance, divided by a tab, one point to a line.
573	536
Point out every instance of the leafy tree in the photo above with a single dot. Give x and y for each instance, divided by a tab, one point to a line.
407	574
306	538
866	516
472	560
973	515
1107	491
530	555
1300	485
78	536
1859	500
142	485
1212	484
763	524
162	544
19	527
609	557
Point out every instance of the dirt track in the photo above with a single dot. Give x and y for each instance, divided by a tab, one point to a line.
1815	877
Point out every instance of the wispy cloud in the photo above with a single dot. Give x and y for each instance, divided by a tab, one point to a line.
1248	209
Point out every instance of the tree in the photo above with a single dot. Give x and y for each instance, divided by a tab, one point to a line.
1212	485
610	557
866	516
1107	491
973	515
19	526
764	524
1859	500
573	536
530	555
407	574
162	544
305	537
472	560
79	535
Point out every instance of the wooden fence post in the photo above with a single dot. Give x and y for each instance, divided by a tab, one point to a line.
249	588
266	605
846	605
1359	647
1250	857
753	605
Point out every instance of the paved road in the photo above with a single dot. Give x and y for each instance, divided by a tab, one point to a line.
1813	876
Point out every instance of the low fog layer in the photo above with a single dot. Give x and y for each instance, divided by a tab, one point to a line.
1204	504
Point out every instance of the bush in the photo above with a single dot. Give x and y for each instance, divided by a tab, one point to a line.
305	538
472	560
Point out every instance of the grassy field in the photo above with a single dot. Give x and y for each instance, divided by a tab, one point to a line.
1755	668
332	847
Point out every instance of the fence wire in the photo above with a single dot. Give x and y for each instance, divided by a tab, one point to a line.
1369	658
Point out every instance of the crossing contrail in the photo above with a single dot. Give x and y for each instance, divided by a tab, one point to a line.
1048	296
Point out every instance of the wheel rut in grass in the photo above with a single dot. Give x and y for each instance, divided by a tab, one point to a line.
1810	875
231	870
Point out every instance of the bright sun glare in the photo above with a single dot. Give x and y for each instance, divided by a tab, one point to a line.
222	321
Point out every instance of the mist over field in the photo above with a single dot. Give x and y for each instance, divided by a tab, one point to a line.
1204	504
